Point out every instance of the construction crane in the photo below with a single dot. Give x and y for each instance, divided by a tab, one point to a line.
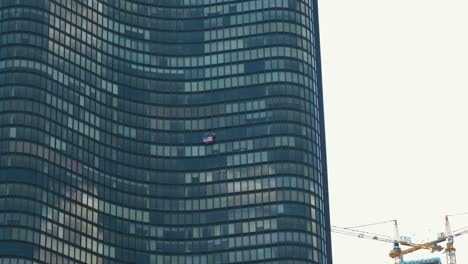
396	253
450	249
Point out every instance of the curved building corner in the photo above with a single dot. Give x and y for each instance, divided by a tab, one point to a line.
162	131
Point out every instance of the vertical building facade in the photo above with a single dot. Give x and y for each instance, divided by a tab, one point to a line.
162	131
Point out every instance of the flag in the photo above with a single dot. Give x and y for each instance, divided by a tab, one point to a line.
208	139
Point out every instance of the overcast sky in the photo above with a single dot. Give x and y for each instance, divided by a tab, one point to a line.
395	76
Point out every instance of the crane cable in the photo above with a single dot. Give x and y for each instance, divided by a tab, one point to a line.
342	230
378	223
465	213
461	229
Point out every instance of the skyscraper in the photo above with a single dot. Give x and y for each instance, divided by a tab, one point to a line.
162	131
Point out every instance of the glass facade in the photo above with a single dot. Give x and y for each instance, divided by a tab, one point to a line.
161	131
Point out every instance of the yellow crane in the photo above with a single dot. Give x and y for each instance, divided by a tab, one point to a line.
396	253
449	235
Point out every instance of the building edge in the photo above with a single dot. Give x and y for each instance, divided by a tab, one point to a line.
323	148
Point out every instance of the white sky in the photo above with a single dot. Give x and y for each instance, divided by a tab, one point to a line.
395	76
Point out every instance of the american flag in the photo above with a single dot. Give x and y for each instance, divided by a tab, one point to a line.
208	139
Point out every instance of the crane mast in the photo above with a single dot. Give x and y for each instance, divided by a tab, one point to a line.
450	235
449	250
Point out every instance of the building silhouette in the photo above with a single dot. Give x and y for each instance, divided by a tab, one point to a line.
162	131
